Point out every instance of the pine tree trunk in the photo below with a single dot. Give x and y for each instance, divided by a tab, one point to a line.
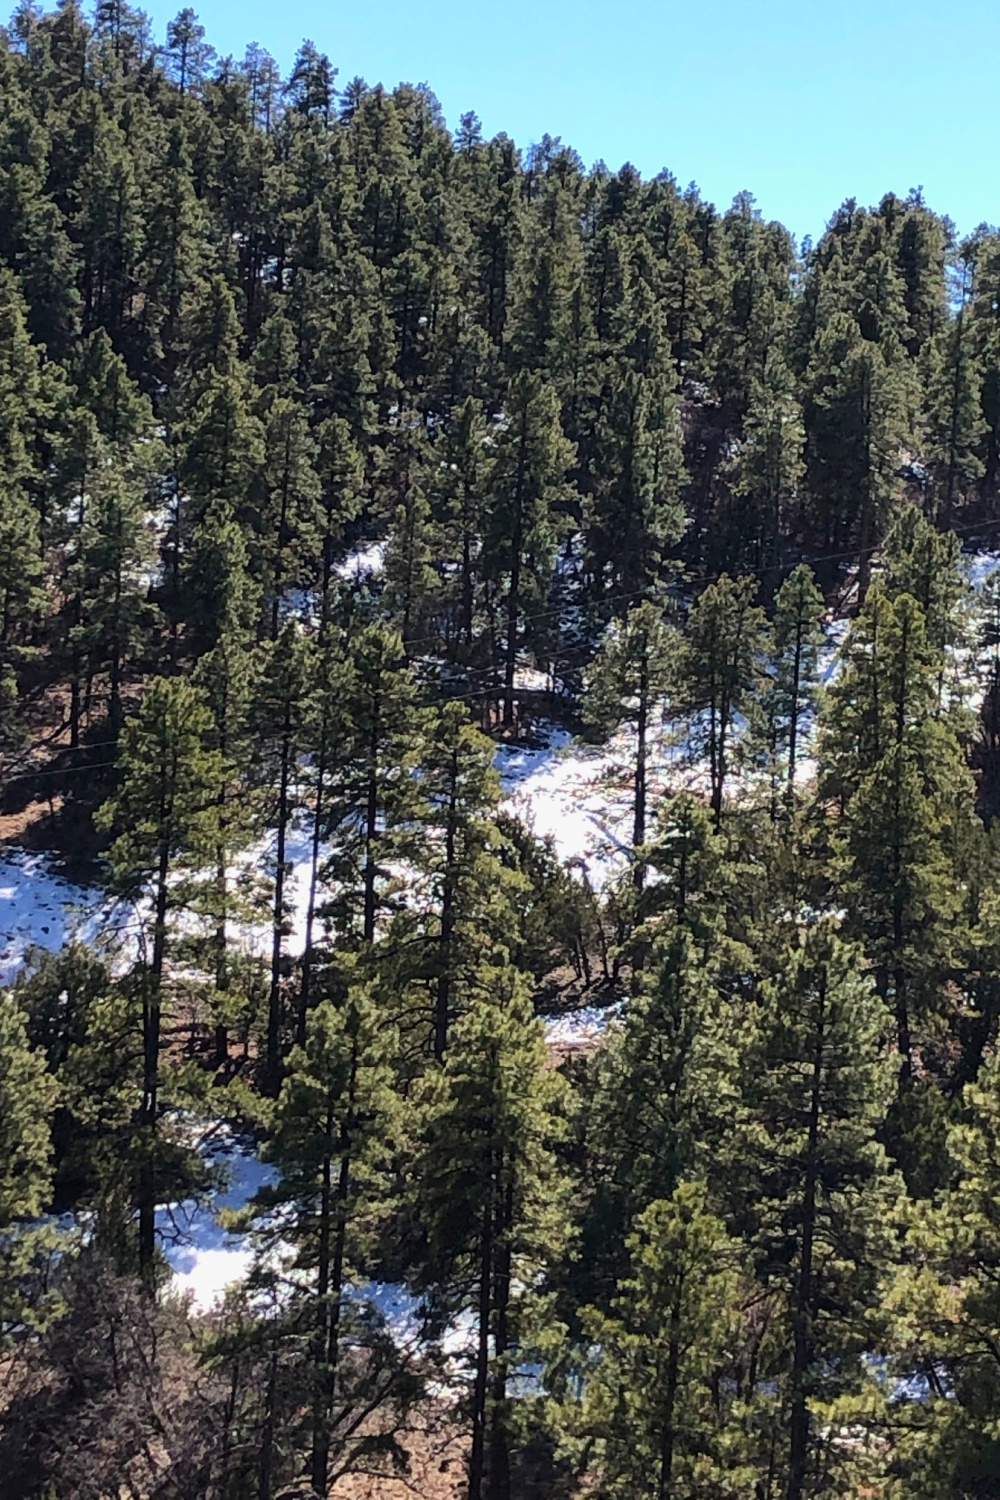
371	833
467	597
639	810
265	1463
514	592
668	1436
510	658
317	835
477	1454
279	556
802	1341
151	1063
499	1434
222	968
793	726
273	1058
117	660
329	1292
442	1003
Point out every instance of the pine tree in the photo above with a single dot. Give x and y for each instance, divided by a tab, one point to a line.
720	671
633	673
812	1180
856	422
326	677
470	911
163	816
945	1313
898	772
188	52
111	573
410	576
664	1098
797	638
374	796
926	564
280	736
489	1202
341	474
526	483
289	522
460	508
227	674
332	1133
768	467
954	424
635	515
27	1100
651	1414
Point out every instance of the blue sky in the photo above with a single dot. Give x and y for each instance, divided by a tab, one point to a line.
804	105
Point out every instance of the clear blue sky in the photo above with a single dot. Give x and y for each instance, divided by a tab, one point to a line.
803	104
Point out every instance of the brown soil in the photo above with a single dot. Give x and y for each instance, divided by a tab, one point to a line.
436	1449
28	826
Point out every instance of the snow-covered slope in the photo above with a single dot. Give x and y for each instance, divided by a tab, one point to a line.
39	908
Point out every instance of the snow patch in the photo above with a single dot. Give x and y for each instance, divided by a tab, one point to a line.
41	909
580	795
204	1257
580	1028
365	561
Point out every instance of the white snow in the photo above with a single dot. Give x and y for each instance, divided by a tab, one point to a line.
39	908
205	1257
366	561
579	795
828	661
579	1028
981	565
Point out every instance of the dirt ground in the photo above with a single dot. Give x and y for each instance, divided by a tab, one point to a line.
437	1450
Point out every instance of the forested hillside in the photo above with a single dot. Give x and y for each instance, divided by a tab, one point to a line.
499	760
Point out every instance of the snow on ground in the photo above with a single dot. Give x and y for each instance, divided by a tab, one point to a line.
981	565
39	908
204	1256
366	561
828	660
580	1028
579	795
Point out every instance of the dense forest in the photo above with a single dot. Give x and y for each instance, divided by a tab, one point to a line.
345	459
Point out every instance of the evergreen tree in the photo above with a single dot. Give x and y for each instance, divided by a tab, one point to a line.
797	639
652	1419
768	468
635	515
280	738
374	796
473	895
856	423
664	1100
27	1100
526	483
813	1181
632	674
289	523
163	816
461	508
331	1138
111	574
720	672
897	769
926	564
490	1199
954	419
188	53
